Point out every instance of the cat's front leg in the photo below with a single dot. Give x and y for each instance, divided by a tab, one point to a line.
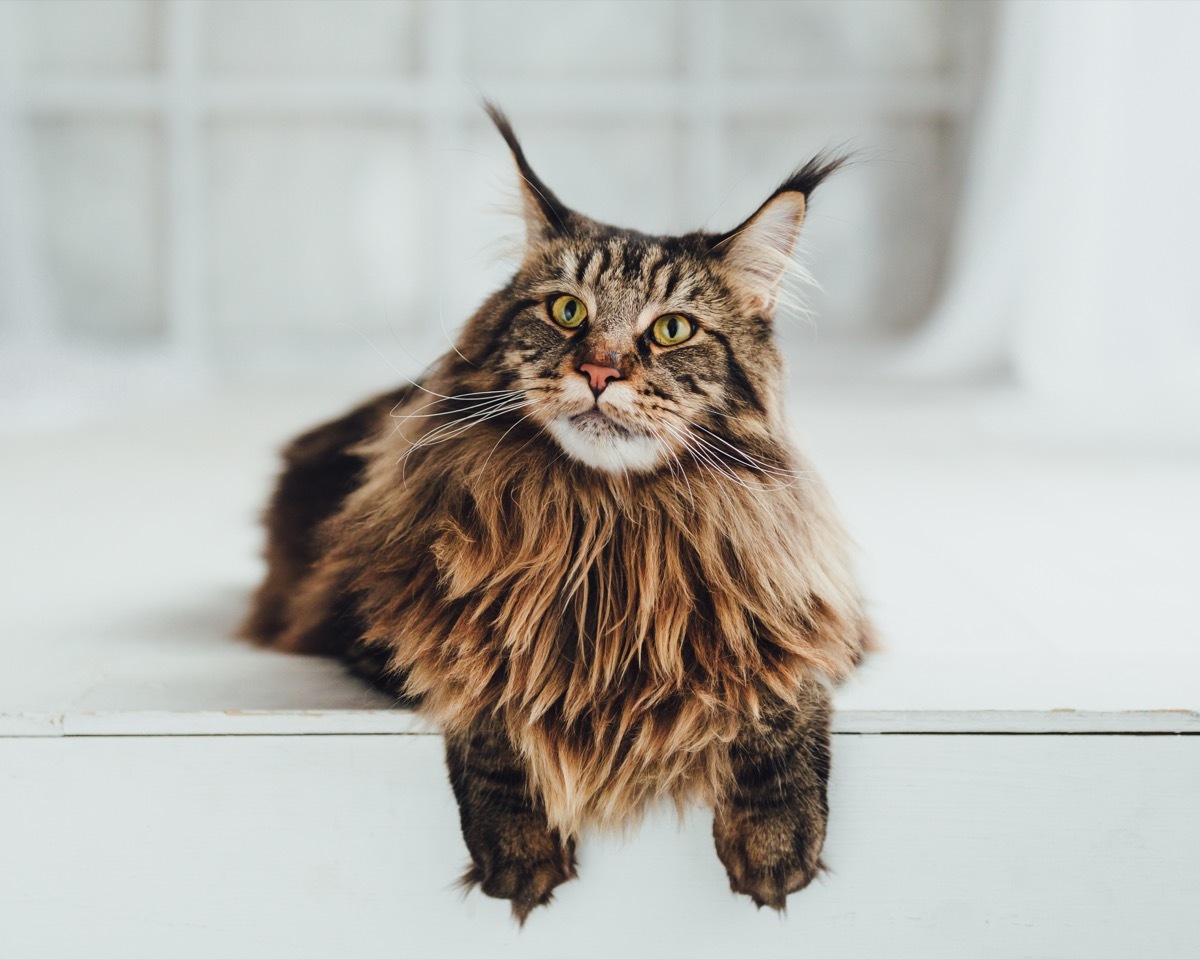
770	826
515	853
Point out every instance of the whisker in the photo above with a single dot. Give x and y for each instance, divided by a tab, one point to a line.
456	428
473	404
446	333
425	368
687	445
716	456
748	459
710	457
676	467
501	440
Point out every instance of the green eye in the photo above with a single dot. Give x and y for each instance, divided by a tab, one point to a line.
568	311
671	329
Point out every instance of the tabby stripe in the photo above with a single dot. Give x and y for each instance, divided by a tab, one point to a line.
672	282
737	373
584	264
652	273
503	326
605	262
500	780
783	766
798	768
631	261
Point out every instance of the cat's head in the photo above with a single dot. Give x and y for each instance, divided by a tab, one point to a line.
633	351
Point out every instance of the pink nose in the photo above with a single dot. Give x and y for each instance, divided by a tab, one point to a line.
598	376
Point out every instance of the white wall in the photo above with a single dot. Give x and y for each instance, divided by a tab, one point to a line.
298	187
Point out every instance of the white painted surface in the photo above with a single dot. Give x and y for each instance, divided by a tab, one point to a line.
1018	586
348	847
1021	586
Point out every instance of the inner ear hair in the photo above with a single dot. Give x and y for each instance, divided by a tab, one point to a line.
759	250
545	215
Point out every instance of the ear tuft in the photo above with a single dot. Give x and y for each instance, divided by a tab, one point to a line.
810	176
760	248
545	215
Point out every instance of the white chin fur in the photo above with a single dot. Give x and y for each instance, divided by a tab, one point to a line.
605	446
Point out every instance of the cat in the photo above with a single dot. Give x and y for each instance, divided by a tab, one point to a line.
585	546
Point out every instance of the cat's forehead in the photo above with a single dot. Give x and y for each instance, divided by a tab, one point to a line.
627	266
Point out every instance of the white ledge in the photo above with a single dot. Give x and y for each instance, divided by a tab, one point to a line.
260	723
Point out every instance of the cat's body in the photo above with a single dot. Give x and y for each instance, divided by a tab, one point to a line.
585	546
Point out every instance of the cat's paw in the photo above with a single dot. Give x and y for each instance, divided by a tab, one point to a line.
525	876
768	857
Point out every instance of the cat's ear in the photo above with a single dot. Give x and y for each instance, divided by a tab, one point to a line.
759	250
545	215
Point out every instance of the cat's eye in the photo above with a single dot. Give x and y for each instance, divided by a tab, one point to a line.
568	311
671	329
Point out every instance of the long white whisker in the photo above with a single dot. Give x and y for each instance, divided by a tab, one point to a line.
683	440
747	459
425	368
706	456
454	428
472	405
677	469
720	457
501	440
448	431
446	334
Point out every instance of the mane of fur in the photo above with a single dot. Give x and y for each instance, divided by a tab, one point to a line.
623	628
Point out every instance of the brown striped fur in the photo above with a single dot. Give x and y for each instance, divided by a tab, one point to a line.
606	634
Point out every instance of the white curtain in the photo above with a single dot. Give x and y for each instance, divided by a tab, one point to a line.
1078	254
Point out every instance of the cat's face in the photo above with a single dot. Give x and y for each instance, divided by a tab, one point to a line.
630	346
632	351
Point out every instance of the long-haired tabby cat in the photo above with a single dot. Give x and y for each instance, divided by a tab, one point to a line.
585	547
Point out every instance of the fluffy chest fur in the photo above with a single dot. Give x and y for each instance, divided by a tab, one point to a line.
623	629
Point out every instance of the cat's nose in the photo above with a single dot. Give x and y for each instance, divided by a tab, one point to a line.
599	376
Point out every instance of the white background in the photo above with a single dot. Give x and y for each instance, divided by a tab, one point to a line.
308	188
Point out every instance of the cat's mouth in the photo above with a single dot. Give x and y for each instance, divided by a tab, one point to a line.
596	438
597	421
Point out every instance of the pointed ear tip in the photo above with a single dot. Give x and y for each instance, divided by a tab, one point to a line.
805	179
538	201
495	114
501	122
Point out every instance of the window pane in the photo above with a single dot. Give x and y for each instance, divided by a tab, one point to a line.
866	38
89	36
310	37
101	194
572	41
315	233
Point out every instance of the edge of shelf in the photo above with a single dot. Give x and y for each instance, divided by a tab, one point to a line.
135	723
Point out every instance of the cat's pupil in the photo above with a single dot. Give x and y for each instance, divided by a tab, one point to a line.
569	311
672	328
